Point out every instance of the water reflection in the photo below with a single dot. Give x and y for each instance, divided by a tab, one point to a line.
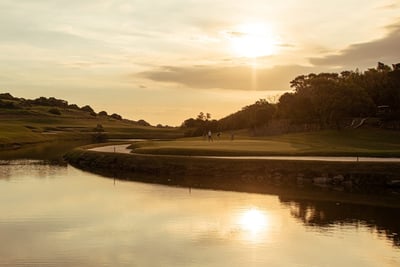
253	221
383	220
81	219
50	151
40	168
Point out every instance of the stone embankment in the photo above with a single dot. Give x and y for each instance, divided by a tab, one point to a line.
250	175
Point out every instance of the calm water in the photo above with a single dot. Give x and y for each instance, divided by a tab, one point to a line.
60	216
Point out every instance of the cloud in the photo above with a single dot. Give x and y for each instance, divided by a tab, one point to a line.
231	77
366	54
236	34
389	6
85	64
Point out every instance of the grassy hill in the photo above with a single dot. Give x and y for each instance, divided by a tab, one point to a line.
46	119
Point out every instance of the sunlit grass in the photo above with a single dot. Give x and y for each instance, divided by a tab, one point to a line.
354	142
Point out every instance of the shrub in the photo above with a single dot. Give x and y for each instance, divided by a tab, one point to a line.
87	108
55	111
143	123
8	105
6	96
51	101
99	128
116	116
73	106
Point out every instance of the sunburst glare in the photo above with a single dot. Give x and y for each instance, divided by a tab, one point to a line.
253	40
253	221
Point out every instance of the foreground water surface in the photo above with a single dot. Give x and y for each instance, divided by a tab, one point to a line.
56	215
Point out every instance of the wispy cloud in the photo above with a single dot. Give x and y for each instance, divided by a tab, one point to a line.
235	33
366	54
233	78
390	6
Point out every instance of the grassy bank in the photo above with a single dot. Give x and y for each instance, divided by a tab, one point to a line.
348	142
36	125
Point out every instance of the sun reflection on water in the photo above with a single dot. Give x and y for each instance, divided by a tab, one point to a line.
254	224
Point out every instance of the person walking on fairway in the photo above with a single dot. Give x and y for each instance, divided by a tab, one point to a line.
209	136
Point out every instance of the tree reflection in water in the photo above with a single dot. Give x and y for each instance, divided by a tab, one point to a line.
384	220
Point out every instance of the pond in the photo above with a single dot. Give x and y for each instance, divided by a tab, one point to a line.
52	214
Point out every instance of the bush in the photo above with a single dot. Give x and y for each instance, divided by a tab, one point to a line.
6	96
73	106
9	105
99	128
51	101
143	123
88	109
55	111
116	116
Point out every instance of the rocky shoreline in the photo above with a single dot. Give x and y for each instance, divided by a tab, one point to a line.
243	175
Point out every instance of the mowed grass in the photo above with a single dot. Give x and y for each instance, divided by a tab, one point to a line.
13	133
348	142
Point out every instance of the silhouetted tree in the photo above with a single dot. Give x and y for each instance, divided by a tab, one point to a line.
143	123
201	116
87	108
116	116
324	99
6	96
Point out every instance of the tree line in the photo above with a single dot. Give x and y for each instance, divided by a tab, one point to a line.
56	106
325	100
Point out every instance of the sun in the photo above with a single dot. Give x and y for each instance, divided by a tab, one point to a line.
252	41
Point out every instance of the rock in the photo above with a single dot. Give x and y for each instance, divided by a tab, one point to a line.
338	188
277	176
322	180
394	183
337	179
348	184
300	180
277	179
246	177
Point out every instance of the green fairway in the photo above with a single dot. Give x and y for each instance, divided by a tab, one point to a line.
349	142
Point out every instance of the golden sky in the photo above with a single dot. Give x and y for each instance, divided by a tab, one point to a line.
165	61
